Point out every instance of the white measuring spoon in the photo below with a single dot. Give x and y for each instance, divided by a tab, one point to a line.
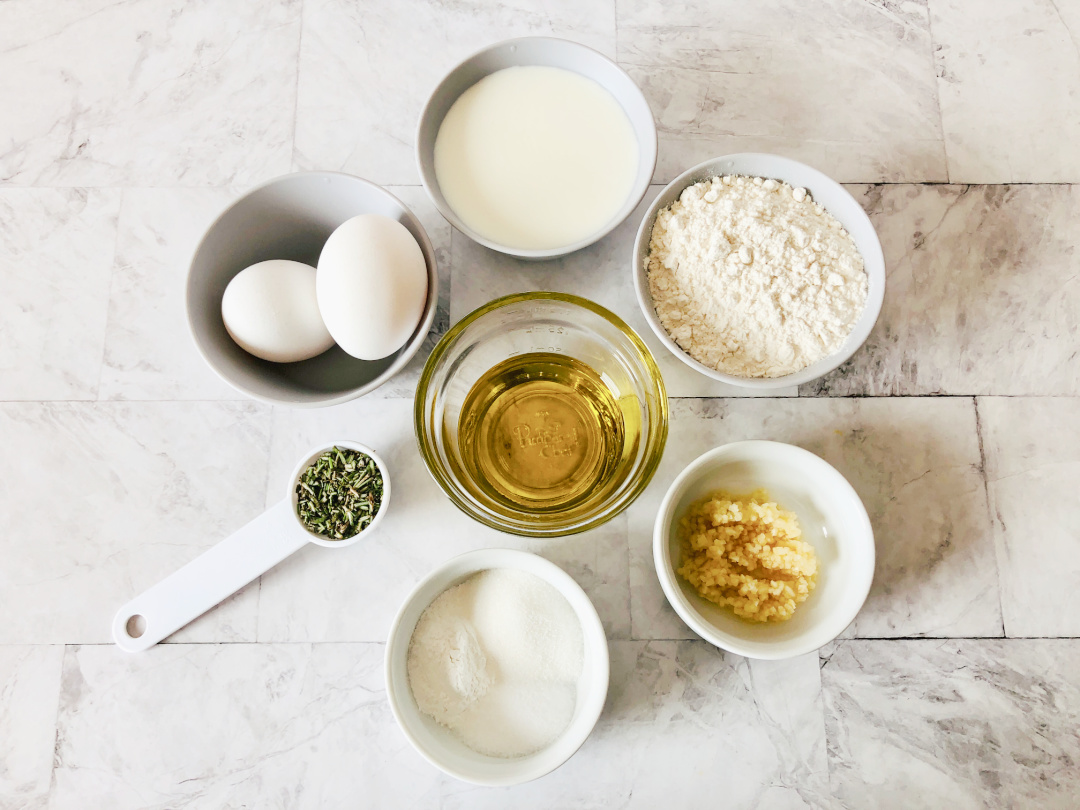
230	565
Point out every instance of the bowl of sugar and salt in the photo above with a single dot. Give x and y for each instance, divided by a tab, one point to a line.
497	667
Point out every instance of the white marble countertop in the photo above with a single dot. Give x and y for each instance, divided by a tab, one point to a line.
125	127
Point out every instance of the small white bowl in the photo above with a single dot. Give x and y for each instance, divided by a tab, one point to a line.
434	742
550	52
825	191
833	520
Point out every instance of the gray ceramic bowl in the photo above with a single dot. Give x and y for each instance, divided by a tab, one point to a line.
291	217
551	52
830	195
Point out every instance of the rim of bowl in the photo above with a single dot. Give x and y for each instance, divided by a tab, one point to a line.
442	478
874	298
591	627
665	569
647	152
408	351
302	466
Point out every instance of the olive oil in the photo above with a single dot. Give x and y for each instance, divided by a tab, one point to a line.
542	432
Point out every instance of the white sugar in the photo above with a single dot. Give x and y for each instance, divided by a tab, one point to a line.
496	659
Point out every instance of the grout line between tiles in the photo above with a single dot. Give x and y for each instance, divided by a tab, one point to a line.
266	494
248	400
989	512
909	396
655	183
824	722
296	87
108	299
450	320
960	638
199	644
635	639
615	12
807	397
56	720
937	86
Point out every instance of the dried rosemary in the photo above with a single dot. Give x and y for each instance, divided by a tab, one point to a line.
339	494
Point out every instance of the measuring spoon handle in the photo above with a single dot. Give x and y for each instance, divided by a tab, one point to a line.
209	579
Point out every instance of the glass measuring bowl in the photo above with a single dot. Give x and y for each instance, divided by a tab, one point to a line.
552	323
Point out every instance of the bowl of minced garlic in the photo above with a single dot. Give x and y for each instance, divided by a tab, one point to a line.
747	552
764	549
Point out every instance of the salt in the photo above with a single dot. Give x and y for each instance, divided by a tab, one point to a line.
496	659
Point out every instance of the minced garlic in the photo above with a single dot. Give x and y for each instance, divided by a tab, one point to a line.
746	552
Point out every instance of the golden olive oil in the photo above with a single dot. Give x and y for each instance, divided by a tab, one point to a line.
542	432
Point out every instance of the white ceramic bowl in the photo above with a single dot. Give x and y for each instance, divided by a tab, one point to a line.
434	742
550	52
827	192
832	518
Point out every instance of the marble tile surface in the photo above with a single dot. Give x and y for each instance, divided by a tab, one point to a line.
845	86
130	732
101	93
367	69
112	497
149	351
29	692
56	253
915	464
1007	81
963	724
295	726
322	594
681	715
1032	449
601	273
981	296
126	127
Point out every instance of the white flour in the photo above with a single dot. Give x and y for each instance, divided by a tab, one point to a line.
753	278
496	659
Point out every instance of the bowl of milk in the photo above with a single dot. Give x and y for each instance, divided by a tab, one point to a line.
536	147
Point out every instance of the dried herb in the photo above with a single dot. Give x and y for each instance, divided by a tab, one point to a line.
339	494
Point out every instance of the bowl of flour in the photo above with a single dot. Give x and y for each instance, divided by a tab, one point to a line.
497	667
758	271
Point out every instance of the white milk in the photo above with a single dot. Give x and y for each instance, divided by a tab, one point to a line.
536	157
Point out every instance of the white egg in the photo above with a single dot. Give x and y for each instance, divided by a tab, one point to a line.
270	309
372	285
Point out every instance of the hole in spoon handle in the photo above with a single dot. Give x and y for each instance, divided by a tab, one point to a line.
208	579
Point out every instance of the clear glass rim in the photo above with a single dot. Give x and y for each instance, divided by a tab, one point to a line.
655	438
